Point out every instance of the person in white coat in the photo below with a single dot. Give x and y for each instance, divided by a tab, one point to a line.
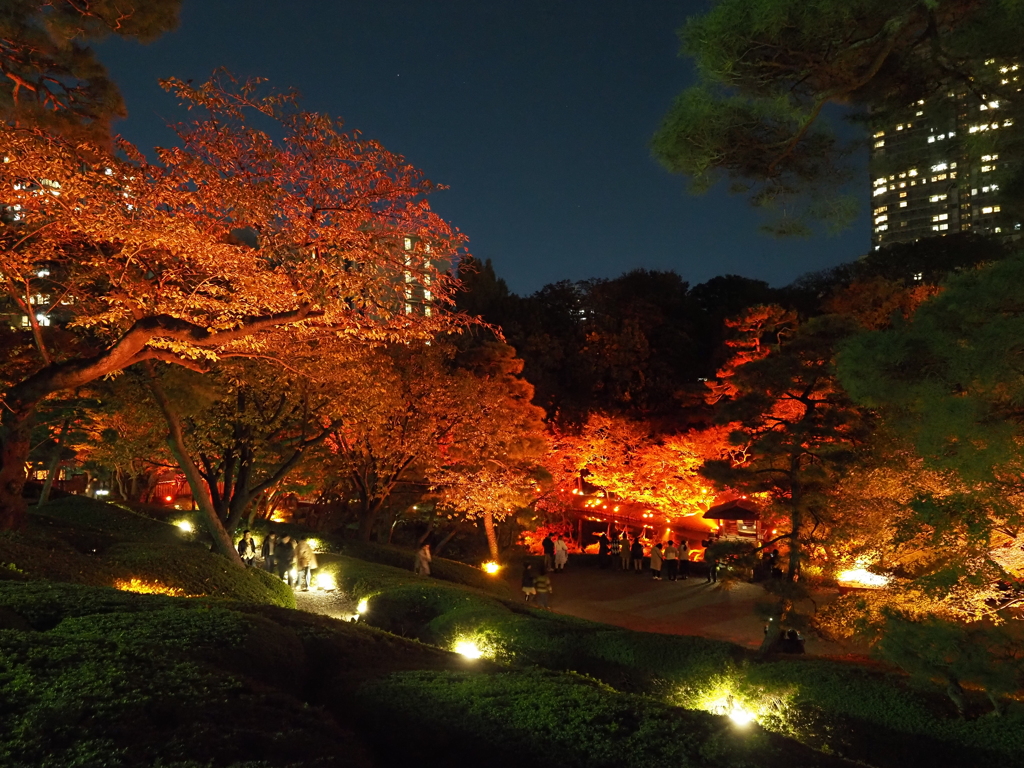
561	553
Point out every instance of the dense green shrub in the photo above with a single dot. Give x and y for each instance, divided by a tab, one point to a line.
542	718
821	702
118	522
440	568
196	571
167	683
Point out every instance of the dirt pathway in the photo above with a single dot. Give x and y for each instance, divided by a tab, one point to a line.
684	607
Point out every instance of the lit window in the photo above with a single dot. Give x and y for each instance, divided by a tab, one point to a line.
931	139
903	194
912	172
987	168
880	219
936	198
879	191
989	158
882	228
42	319
879	134
918	114
408	243
943	226
939	167
903	204
918	276
987	209
880	143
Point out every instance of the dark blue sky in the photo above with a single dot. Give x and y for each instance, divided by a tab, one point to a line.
536	114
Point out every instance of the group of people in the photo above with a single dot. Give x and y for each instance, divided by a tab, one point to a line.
292	560
668	560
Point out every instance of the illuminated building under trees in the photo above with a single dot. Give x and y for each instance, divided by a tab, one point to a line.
938	166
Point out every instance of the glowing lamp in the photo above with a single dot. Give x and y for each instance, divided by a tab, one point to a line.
185	525
168	498
325	581
741	715
468	648
491	567
862	577
363	607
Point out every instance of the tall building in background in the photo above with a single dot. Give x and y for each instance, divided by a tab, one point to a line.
936	168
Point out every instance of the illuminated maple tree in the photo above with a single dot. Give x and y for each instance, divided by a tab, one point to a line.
630	460
239	235
432	416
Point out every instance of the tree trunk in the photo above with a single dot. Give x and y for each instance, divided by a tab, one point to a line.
448	537
367	519
492	538
54	469
15	445
222	541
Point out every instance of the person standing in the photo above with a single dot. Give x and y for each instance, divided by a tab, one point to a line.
603	547
548	545
285	558
615	548
422	564
636	554
542	584
529	590
247	549
625	551
305	561
684	560
561	553
671	555
712	567
269	552
656	561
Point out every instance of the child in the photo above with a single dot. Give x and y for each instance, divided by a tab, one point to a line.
542	585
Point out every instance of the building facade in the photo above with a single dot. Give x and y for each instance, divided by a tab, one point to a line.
937	167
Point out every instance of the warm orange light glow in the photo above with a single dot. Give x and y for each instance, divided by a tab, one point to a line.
168	498
149	588
491	567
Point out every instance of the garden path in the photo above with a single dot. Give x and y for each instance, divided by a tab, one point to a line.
685	607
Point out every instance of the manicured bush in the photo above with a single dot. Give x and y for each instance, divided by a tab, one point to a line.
196	571
440	568
152	687
824	703
118	522
543	718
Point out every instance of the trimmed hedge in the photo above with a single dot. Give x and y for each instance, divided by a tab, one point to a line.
116	521
168	683
545	718
196	571
865	714
440	568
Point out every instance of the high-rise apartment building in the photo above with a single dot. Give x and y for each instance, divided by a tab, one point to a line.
937	167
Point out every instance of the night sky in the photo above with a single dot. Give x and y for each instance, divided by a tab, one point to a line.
536	113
